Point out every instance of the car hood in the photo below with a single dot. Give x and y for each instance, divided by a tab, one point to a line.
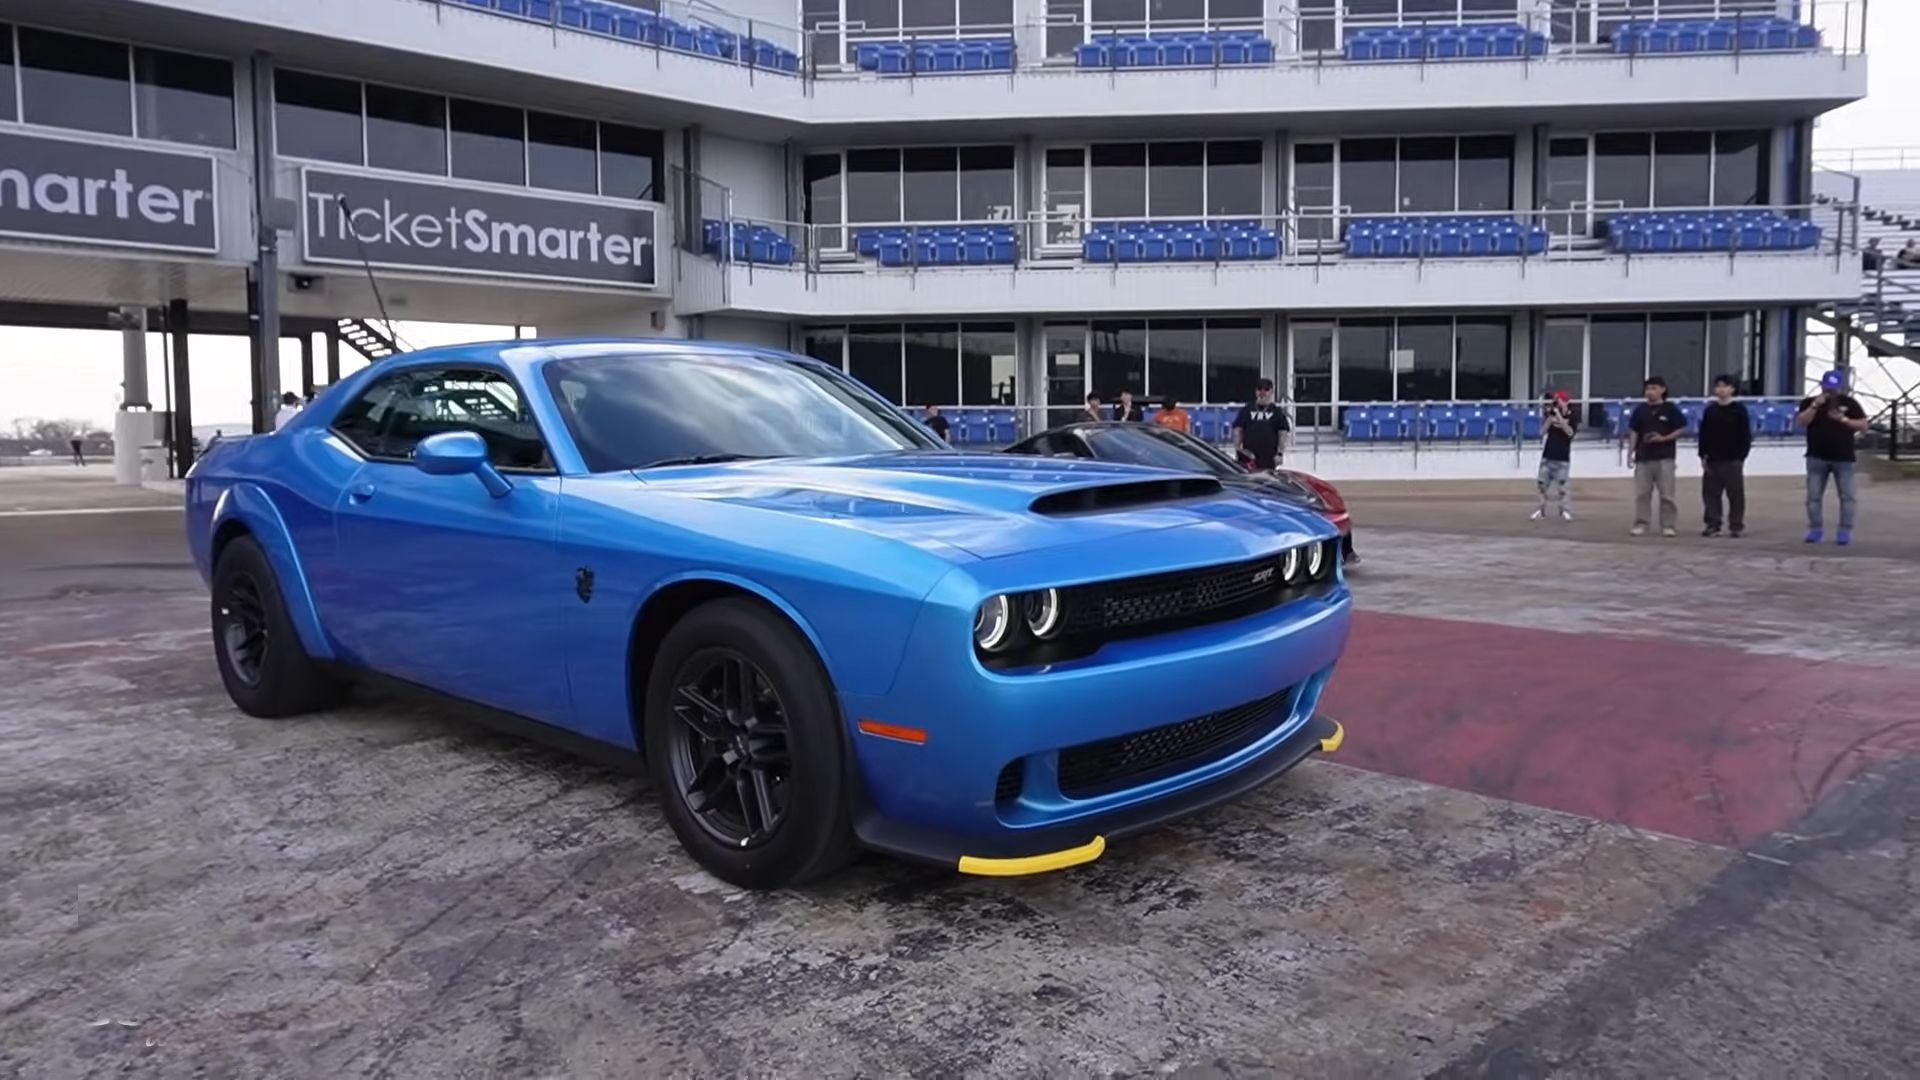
979	504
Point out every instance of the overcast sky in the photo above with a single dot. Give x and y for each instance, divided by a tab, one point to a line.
75	374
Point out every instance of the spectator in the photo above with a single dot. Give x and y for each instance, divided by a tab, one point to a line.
1653	429
1257	430
289	408
938	423
1726	435
79	450
1126	409
1909	257
1093	409
1556	458
1871	256
1171	415
1832	418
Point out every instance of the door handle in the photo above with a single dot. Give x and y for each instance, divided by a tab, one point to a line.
360	492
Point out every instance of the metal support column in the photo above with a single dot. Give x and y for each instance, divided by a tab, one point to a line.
263	309
182	388
133	423
306	365
333	357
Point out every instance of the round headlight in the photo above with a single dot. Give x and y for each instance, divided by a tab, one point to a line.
993	623
1043	613
1316	560
1290	566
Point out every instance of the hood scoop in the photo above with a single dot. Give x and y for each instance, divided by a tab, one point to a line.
1107	498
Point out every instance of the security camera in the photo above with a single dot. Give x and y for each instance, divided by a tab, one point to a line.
304	282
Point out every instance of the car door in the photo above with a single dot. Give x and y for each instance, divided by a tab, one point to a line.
436	580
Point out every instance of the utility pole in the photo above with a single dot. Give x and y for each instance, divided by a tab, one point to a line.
133	423
263	292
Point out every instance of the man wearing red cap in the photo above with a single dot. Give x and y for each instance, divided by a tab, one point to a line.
1556	458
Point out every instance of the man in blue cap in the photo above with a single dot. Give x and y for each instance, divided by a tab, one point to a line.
1832	418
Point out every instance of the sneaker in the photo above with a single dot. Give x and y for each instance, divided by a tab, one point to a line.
1536	515
1813	536
1843	538
1737	533
1668	531
1637	530
1711	530
1566	515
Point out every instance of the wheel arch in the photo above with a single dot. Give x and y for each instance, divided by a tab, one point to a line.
672	601
246	510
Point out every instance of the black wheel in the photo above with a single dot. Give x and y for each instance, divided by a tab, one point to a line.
266	670
743	739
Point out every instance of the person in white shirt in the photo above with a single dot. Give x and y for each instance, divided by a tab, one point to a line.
289	408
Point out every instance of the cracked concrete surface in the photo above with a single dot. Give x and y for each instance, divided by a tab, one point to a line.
387	890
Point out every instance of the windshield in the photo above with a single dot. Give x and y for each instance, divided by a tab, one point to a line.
632	411
1141	444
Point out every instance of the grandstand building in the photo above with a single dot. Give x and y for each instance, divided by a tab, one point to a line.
1416	216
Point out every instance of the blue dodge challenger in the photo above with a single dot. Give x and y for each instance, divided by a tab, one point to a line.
816	627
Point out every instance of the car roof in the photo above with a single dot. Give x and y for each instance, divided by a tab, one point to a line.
524	355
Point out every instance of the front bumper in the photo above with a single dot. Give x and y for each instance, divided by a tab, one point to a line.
1037	851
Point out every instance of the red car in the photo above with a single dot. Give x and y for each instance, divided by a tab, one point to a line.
1150	444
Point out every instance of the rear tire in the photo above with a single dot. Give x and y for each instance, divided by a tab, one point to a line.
744	742
266	669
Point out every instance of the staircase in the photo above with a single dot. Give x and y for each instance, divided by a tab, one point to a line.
366	339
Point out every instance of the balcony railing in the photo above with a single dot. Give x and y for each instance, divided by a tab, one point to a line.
1311	236
1311	34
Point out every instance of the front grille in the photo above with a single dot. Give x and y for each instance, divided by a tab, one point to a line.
1145	604
1090	768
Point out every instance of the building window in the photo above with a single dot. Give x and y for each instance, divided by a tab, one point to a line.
68	81
561	153
821	198
1613	353
629	162
873	186
915	184
1125	181
406	130
182	98
923	363
1418	358
1188	360
317	117
1414	175
9	100
1638	169
320	118
488	142
892	20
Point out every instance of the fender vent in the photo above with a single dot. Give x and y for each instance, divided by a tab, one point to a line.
1110	497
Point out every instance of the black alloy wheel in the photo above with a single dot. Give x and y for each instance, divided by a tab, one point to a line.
243	628
729	753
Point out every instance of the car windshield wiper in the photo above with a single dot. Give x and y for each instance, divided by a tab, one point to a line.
706	459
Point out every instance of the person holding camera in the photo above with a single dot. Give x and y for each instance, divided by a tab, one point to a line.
1726	436
1556	458
1832	418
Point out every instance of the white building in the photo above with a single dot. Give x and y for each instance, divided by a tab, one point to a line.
1368	202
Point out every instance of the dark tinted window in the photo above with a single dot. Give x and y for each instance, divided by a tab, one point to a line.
626	412
1424	359
986	183
1119	359
989	14
1740	168
9	101
560	153
1233	359
929	184
1367	175
1485	360
1233	179
1366	373
317	117
393	414
989	364
629	162
1620	168
74	82
1119	180
1145	445
183	98
1617	355
1486	172
873	357
489	142
1176	180
932	364
826	343
406	130
1677	349
873	185
927	14
1682	169
1174	350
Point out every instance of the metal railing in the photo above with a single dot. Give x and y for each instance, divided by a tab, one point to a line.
1306	236
1307	34
1865	158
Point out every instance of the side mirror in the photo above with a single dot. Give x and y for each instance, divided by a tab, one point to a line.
458	453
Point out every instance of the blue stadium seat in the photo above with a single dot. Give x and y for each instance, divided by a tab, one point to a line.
1443	422
1359	423
1174	49
1503	421
1617	413
1714	35
1530	423
1709	230
1444	41
1475	422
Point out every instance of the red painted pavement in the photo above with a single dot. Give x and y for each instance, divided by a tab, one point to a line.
1700	741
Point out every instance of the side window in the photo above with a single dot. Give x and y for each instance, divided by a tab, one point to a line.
391	417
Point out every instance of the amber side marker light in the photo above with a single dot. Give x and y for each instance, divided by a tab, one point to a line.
885	730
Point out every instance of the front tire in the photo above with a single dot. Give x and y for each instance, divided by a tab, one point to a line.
744	742
266	670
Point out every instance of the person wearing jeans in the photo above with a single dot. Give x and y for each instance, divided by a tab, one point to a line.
1832	418
1653	429
1556	459
1726	436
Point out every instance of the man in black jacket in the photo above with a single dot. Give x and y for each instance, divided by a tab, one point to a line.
1726	434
